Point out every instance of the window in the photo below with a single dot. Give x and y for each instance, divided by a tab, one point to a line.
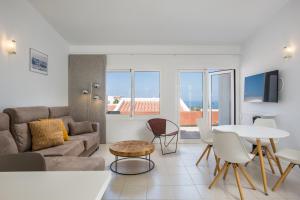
191	99
133	92
118	89
146	100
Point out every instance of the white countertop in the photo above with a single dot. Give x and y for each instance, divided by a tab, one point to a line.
79	185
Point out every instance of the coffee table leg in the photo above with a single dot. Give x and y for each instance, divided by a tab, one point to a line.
149	162
116	166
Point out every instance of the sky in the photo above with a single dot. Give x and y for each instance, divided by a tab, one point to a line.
147	85
191	84
254	85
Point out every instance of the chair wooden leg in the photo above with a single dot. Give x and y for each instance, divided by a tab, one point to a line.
283	176
238	181
215	180
206	149
253	152
247	176
270	161
217	168
262	166
270	153
207	155
276	158
226	171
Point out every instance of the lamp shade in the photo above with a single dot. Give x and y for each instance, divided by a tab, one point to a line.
12	47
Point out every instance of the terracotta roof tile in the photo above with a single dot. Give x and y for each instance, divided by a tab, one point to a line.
144	107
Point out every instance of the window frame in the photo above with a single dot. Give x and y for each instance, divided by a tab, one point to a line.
132	90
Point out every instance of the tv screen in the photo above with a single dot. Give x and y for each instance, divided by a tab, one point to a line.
262	87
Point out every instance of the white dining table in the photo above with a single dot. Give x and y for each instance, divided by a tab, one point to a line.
258	133
47	185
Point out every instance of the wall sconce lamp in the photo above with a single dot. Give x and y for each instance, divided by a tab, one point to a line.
288	52
11	47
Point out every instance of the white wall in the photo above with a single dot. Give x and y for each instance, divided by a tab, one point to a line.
166	59
263	52
19	86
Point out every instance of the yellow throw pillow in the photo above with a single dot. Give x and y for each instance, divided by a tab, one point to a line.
45	135
59	125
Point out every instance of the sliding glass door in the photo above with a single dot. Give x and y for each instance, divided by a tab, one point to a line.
221	98
190	103
207	95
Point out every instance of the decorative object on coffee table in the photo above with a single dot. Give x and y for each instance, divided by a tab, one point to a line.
132	149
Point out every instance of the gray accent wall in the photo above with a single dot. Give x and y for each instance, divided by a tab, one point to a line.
83	71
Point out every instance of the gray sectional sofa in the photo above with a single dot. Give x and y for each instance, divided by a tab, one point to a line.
15	143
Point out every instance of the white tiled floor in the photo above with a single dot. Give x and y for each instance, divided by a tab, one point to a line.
175	176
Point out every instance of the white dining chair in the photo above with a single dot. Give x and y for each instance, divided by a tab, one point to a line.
293	157
229	147
265	143
206	137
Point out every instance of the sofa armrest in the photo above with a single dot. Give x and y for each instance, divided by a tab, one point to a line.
22	162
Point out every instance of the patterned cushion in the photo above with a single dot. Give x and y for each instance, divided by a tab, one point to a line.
45	134
60	126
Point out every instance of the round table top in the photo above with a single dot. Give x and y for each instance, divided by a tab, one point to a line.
131	148
251	131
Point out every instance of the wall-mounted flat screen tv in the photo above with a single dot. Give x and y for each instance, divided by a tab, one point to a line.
262	87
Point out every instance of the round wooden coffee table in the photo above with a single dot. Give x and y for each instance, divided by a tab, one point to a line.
131	149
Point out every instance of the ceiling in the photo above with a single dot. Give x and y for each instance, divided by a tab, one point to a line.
157	22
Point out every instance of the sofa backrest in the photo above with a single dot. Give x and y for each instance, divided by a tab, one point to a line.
19	119
62	112
7	142
58	112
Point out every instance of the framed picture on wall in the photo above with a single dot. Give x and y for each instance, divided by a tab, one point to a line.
38	62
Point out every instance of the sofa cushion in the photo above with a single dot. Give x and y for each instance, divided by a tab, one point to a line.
4	122
7	143
60	126
58	112
89	139
70	163
19	117
69	148
67	120
22	135
77	128
45	134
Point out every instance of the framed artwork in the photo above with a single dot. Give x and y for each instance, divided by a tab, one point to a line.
38	62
